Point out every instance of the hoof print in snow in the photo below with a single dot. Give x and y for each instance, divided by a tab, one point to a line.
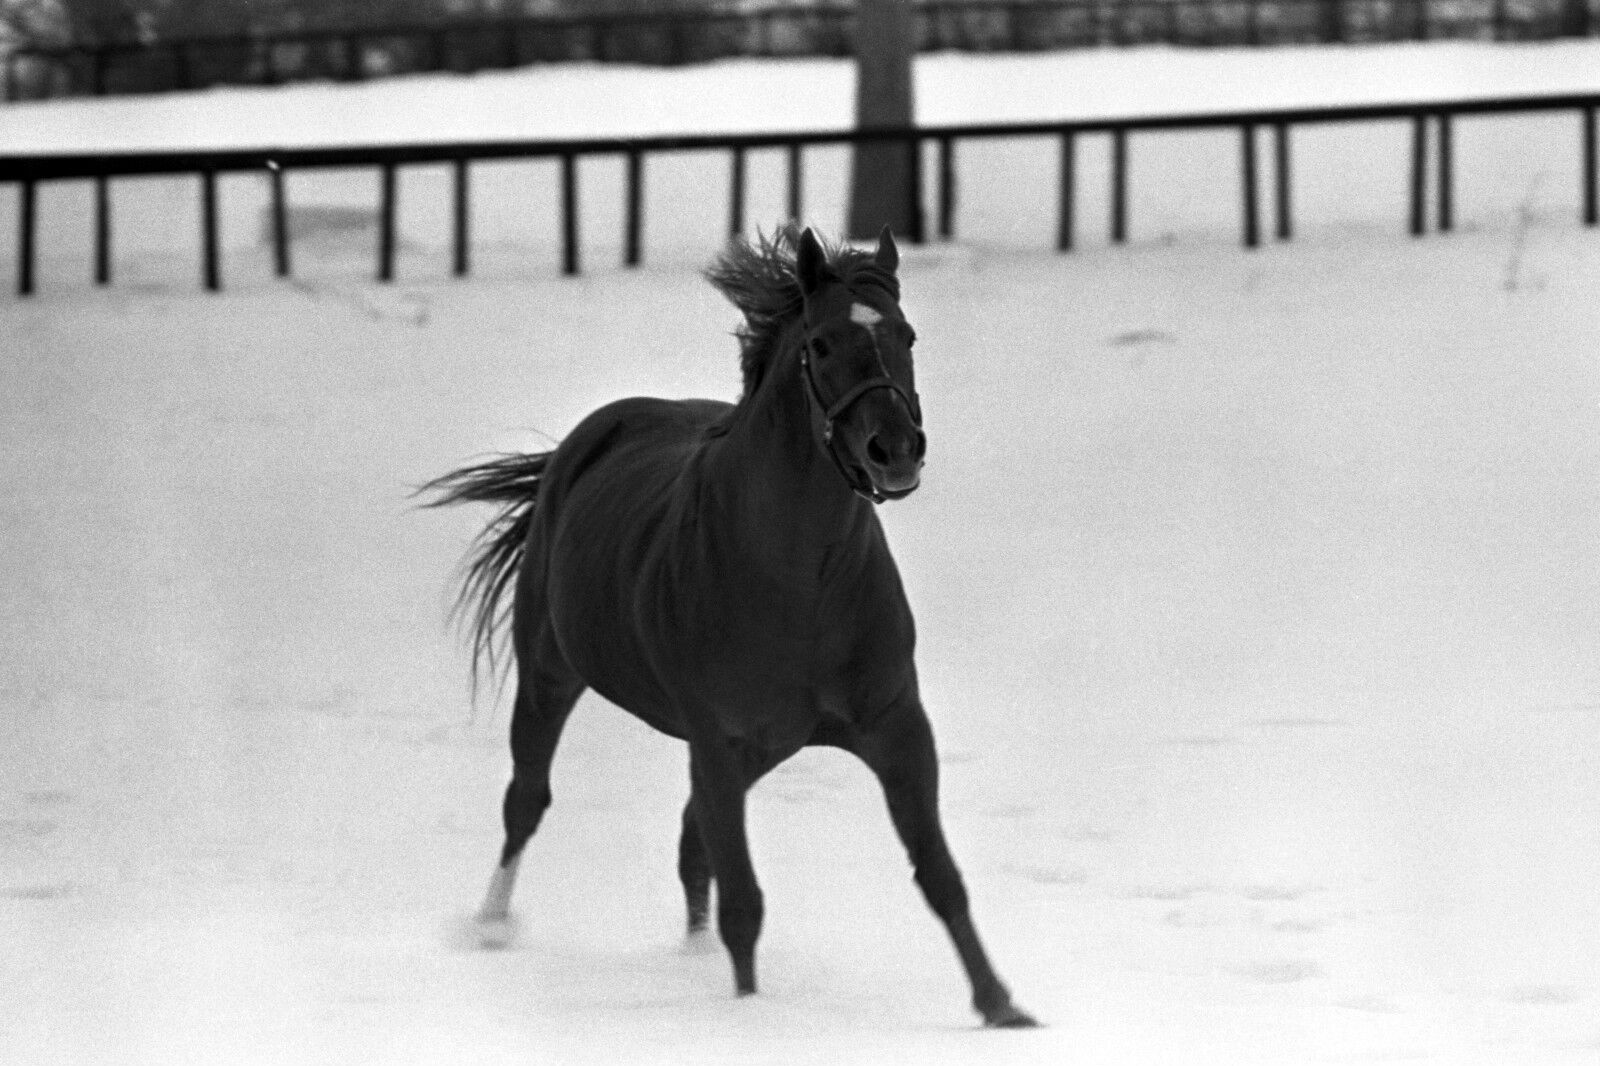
1276	893
1296	723
1166	893
1142	336
1200	740
1009	810
39	893
1044	874
1280	971
1370	1003
1542	995
24	828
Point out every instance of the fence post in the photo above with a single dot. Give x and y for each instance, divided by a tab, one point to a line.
569	213
1333	21
947	187
208	226
350	45
386	196
635	211
182	75
27	215
1119	185
919	233
1247	143
102	230
1064	221
11	78
269	60
1591	198
511	46
796	182
1280	145
461	218
1446	175
1419	173
736	192
280	221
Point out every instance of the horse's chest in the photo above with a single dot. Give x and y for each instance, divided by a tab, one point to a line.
772	656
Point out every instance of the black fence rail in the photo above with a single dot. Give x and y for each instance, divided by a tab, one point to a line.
1437	117
265	57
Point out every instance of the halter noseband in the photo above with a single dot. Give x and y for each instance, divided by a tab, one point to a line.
861	485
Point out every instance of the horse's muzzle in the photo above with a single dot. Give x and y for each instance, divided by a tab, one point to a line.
893	462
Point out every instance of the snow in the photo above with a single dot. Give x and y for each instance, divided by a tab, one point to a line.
1257	594
591	100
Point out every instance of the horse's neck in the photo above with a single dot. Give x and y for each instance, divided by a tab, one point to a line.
776	475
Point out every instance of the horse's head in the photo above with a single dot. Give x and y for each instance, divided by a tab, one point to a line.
856	366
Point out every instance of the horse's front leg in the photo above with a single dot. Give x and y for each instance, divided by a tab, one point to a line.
900	751
720	781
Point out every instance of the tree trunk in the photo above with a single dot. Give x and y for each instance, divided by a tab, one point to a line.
881	172
1575	18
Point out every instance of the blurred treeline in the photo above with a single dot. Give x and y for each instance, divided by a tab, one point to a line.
62	22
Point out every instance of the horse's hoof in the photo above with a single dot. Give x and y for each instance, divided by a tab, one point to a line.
1009	1017
495	932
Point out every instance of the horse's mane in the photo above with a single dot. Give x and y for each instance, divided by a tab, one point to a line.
759	279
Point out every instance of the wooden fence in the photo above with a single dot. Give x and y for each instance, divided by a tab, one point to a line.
1435	118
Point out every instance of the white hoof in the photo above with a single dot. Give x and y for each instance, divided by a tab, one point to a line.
495	932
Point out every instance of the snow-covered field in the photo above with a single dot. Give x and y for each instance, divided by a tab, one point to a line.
1258	595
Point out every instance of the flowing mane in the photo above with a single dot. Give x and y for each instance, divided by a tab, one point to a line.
759	279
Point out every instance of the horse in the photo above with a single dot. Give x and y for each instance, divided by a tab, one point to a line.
719	571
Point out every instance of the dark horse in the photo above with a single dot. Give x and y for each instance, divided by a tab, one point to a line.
719	571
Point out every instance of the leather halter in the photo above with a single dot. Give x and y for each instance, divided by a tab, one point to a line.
861	485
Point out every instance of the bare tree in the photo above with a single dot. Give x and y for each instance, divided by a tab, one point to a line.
45	22
1576	19
881	171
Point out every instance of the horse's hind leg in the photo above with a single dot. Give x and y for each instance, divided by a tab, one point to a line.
546	691
694	870
900	751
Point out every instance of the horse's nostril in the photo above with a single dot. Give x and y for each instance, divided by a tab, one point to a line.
921	448
876	453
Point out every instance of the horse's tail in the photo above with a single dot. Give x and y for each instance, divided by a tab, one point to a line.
512	482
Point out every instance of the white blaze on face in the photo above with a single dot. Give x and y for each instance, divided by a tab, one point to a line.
868	319
862	315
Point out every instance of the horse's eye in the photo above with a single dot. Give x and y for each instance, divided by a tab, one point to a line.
820	347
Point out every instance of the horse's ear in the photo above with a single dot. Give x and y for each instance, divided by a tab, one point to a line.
810	263
888	256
